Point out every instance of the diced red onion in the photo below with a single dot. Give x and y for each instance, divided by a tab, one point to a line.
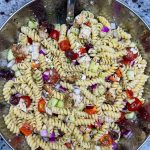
93	87
42	51
44	133
46	139
62	89
45	75
132	63
52	137
105	29
127	133
114	146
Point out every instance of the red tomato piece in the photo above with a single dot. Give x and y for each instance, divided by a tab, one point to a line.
135	105
65	45
30	40
35	65
112	78
122	117
53	76
130	56
118	73
129	93
91	126
88	23
26	129
41	105
19	59
82	50
126	62
90	111
27	100
68	145
106	140
54	34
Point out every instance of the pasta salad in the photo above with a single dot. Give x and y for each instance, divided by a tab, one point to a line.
73	85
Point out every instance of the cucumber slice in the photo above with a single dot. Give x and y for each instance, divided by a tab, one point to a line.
93	67
32	24
130	75
14	67
10	55
52	102
60	104
17	73
130	116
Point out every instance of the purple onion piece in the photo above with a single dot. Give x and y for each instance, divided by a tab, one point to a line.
46	139
45	75
132	63
105	29
52	137
127	133
62	89
93	87
42	51
44	133
114	146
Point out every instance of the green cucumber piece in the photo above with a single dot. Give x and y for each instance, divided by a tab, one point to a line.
14	67
60	104
130	115
52	102
10	55
93	67
32	24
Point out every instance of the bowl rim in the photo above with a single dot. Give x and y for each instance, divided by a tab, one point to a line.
32	1
28	3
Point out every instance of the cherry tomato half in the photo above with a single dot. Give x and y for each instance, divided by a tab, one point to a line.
27	100
68	145
106	140
65	45
19	59
91	110
129	93
54	34
26	129
135	105
118	73
35	65
82	50
130	55
41	105
88	23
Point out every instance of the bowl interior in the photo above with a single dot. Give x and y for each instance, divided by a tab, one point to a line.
55	12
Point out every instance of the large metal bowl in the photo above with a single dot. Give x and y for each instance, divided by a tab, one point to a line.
55	12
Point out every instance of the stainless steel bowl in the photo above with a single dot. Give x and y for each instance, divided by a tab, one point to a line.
55	12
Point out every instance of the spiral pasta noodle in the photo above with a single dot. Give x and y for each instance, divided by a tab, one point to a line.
72	86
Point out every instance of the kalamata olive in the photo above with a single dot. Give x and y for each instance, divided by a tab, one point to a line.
88	46
144	112
7	73
71	55
14	100
60	133
39	148
114	135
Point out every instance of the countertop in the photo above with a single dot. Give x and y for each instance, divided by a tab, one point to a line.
8	7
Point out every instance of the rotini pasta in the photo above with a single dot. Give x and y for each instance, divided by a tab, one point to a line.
71	87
